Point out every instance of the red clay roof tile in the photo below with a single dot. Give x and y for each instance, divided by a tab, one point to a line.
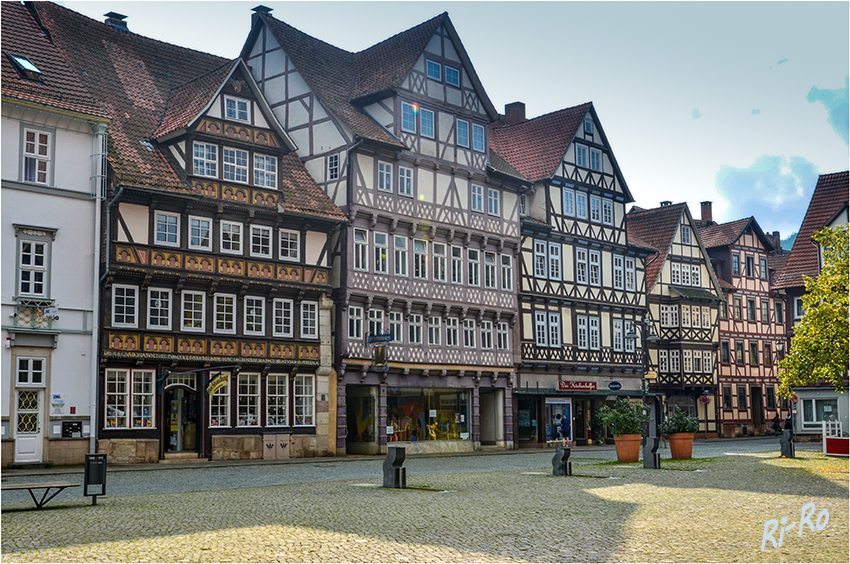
654	228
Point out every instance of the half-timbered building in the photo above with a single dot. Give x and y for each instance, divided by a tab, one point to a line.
215	310
751	327
684	298
397	135
582	294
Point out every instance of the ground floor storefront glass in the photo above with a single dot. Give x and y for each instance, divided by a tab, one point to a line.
427	414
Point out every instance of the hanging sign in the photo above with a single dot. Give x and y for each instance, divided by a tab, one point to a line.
218	383
614	386
573	386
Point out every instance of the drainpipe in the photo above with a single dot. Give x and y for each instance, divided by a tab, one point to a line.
98	193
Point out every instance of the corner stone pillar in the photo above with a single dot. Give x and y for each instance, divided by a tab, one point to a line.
326	378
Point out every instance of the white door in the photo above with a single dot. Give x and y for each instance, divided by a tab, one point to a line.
28	427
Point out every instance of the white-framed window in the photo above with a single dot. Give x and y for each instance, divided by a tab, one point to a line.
408	117
502	339
554	261
452	332
205	160
631	282
248	400
452	76
541	336
799	309
540	259
686	275
476	198
290	243
697	362
142	399
361	249
224	310
493	201
588	126
381	253
400	255
674	362
234	165
125	396
36	156
304	398
618	271
581	205
595	268
695	275
385	177
618	335
462	131
439	261
687	362
457	265
706	318
593	332
675	273
554	329
581	266
434	331
376	322
490	280
686	235
469	333
763	268
220	407
569	202
236	109
277	400
255	315
581	332
686	316
355	322
707	363
159	308
414	326
200	233
523	205
167	228
595	160
420	259
309	320
395	326
33	268
282	318
477	138
265	171
333	167
629	328
581	156
261	241
193	311
125	306
433	70
596	209
507	273
426	123
607	212
487	335
695	317
663	364
230	237
473	264
405	181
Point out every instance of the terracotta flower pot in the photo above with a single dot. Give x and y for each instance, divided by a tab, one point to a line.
628	447
681	445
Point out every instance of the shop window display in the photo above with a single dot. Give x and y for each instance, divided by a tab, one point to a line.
426	414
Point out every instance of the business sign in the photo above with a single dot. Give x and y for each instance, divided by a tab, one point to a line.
380	338
573	386
614	385
218	383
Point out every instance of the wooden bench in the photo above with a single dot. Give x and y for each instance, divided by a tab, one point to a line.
46	486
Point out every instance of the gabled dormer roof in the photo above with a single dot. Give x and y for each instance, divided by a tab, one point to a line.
724	234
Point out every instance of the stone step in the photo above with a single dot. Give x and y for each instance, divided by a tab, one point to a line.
175	457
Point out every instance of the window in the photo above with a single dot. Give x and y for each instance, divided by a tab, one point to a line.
408	117
502	342
420	259
194	307
595	160
751	268
225	313
695	317
261	241
780	317
265	171
618	271
763	268
554	329
686	235
706	317
523	205
451	332
304	400
476	198
282	322
581	205
754	353
686	275
666	317
588	126
405	181
477	138
457	265
248	400
490	280
36	156
235	109
309	320
751	309
770	392
581	266
355	322
205	161
33	268
555	261
30	372
433	70
742	398
381	253
289	244
675	273
167	229
26	69
595	268
607	212
426	123
799	310
707	363
686	316
493	201
727	398
125	300
452	76
385	177
630	275
765	311
695	275
159	308
200	233
231	237
581	331
395	326
255	316
439	261
663	362
723	309
540	329
617	327
737	309
581	156
434	330
736	265
376	322
674	362
124	396
414	329
768	354
724	352
593	332
462	132
569	202
472	269
235	165
469	333
540	259
687	362
220	407
739	352
333	167
400	255
277	394
595	209
507	273
817	410
361	249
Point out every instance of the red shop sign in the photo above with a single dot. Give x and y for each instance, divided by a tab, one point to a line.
572	386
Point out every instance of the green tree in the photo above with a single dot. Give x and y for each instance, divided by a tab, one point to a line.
820	343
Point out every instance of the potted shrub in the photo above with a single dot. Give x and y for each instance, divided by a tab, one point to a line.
679	431
625	420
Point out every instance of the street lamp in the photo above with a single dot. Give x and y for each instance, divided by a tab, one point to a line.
647	335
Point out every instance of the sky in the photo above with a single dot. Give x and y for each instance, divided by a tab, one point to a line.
740	103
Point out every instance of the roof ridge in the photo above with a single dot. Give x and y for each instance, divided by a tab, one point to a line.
408	30
536	118
206	74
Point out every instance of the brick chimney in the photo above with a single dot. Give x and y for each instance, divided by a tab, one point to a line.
705	213
514	113
666	203
116	20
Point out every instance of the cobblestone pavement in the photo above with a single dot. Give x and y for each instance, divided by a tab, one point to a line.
502	507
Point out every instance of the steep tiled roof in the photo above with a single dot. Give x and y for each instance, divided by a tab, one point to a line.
777	262
655	228
59	87
536	146
300	193
720	235
500	165
727	286
829	196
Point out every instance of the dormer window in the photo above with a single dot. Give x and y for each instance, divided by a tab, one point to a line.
236	109
25	67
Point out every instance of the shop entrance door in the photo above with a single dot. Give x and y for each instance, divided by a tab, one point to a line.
362	420
28	429
758	416
180	420
580	422
556	410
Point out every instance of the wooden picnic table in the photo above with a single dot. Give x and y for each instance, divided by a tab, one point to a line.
46	486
